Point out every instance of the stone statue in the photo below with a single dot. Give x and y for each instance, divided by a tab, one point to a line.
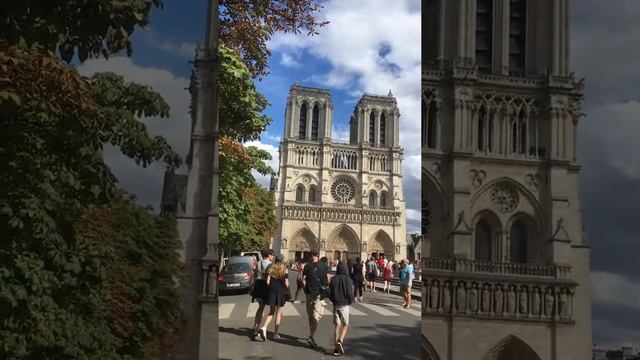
535	302
446	297
486	299
210	282
563	304
498	297
548	302
461	298
433	296
473	298
511	301
523	300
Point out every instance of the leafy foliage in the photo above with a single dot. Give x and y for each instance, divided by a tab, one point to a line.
53	283
241	104
247	210
70	27
247	25
143	312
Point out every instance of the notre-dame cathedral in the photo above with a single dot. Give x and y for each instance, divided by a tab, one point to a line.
506	263
343	199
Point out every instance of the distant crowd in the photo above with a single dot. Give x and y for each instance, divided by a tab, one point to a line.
352	278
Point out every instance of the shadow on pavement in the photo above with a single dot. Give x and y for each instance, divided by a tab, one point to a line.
390	341
285	339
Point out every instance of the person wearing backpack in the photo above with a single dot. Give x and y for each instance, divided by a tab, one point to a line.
299	281
260	291
341	295
316	288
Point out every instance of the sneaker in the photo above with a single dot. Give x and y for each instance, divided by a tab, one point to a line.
336	352
340	347
263	334
276	337
311	341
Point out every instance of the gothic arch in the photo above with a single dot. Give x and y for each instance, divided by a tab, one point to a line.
428	351
303	240
519	188
381	242
434	213
344	240
511	348
300	179
534	245
493	221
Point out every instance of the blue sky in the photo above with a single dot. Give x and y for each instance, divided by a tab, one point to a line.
371	46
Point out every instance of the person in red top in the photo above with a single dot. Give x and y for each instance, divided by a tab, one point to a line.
387	274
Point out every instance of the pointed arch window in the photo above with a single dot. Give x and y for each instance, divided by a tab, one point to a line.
483	239
517	36
312	195
372	199
484	35
383	127
383	199
431	114
299	194
519	133
372	128
482	119
302	129
518	242
315	115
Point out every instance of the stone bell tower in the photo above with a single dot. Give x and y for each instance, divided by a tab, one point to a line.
506	263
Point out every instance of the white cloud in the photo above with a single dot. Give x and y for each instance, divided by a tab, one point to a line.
351	44
146	184
340	132
614	289
288	61
182	49
274	162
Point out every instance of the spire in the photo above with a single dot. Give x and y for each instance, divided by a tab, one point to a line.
390	94
211	34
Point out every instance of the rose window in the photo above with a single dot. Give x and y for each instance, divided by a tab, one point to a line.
343	190
504	198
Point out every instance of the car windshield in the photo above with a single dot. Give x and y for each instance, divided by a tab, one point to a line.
237	268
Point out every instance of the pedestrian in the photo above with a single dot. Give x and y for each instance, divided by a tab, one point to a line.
260	291
299	281
341	296
386	276
371	274
405	288
358	279
315	287
278	282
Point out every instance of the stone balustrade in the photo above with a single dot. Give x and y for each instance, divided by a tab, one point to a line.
496	268
500	291
342	156
328	212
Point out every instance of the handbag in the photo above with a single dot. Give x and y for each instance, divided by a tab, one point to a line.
287	294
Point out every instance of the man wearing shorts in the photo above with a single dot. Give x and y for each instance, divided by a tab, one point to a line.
260	287
341	296
315	277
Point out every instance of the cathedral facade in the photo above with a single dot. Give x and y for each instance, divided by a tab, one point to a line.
342	199
505	260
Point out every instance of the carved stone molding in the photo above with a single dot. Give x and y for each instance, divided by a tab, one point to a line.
504	198
477	177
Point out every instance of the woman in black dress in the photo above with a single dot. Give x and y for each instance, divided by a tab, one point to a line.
358	279
278	281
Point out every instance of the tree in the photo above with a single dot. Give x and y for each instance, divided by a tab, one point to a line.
247	210
53	127
247	25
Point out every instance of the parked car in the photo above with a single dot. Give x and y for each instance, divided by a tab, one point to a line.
249	259
255	254
236	276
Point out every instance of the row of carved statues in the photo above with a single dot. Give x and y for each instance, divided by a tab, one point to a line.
498	299
295	212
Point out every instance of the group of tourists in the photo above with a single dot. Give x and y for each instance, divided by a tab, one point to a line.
271	289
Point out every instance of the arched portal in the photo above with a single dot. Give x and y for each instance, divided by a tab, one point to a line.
342	243
381	244
433	218
428	351
302	242
511	348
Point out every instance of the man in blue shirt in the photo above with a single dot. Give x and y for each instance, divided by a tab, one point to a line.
404	283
